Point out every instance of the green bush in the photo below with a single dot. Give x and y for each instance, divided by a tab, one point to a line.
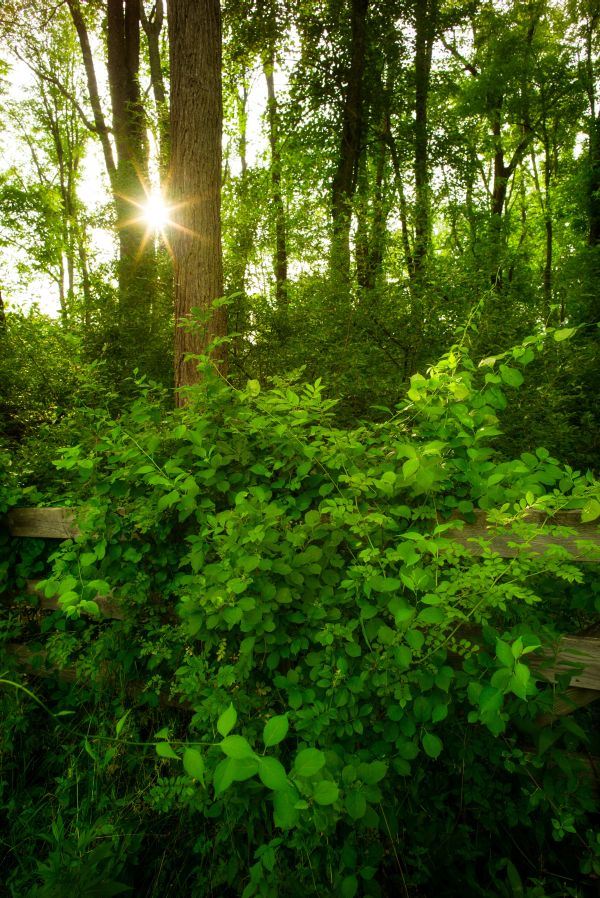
359	710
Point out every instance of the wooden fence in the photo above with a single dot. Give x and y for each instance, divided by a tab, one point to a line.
579	653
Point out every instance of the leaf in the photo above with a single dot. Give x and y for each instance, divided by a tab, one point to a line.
121	722
511	376
504	653
223	776
227	721
236	747
275	730
326	792
272	774
284	809
164	750
590	511
410	467
356	804
519	680
349	886
383	584
432	616
308	762
193	764
372	773
243	768
564	333
432	744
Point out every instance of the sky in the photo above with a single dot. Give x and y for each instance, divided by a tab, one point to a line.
23	292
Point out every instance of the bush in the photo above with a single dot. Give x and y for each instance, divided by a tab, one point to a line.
361	710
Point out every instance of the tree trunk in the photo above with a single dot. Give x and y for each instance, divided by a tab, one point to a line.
94	94
137	274
152	26
344	179
425	23
280	260
195	179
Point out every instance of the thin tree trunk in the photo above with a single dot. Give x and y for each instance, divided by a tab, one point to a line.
153	26
196	133
344	179
281	259
425	23
137	275
404	229
94	94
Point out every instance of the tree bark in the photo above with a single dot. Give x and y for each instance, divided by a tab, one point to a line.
137	275
195	180
344	179
280	260
425	24
153	26
100	125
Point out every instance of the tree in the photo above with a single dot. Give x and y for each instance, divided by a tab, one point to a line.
195	180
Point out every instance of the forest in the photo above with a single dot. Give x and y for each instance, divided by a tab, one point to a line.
299	448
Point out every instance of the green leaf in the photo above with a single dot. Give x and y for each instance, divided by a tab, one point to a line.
590	511
272	774
410	467
504	653
564	333
308	762
193	764
227	721
223	776
326	792
284	809
121	722
243	768
372	773
511	376
356	804
432	744
432	616
275	730
384	584
164	750
349	887
519	680
236	747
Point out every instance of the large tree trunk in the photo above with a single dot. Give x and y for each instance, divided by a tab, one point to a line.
280	259
344	179
196	131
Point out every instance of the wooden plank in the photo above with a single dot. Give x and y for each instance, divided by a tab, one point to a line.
108	605
586	551
578	651
568	702
36	664
47	523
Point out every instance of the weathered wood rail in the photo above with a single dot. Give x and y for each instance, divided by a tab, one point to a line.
579	653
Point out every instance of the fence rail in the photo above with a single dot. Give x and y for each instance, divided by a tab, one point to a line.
579	653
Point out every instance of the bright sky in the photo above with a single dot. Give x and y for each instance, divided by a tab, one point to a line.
24	292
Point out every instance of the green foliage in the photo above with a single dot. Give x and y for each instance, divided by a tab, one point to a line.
298	587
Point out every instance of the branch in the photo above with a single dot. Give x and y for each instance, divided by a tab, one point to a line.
45	75
468	66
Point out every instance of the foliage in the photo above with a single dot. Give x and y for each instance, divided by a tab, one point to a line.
296	586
